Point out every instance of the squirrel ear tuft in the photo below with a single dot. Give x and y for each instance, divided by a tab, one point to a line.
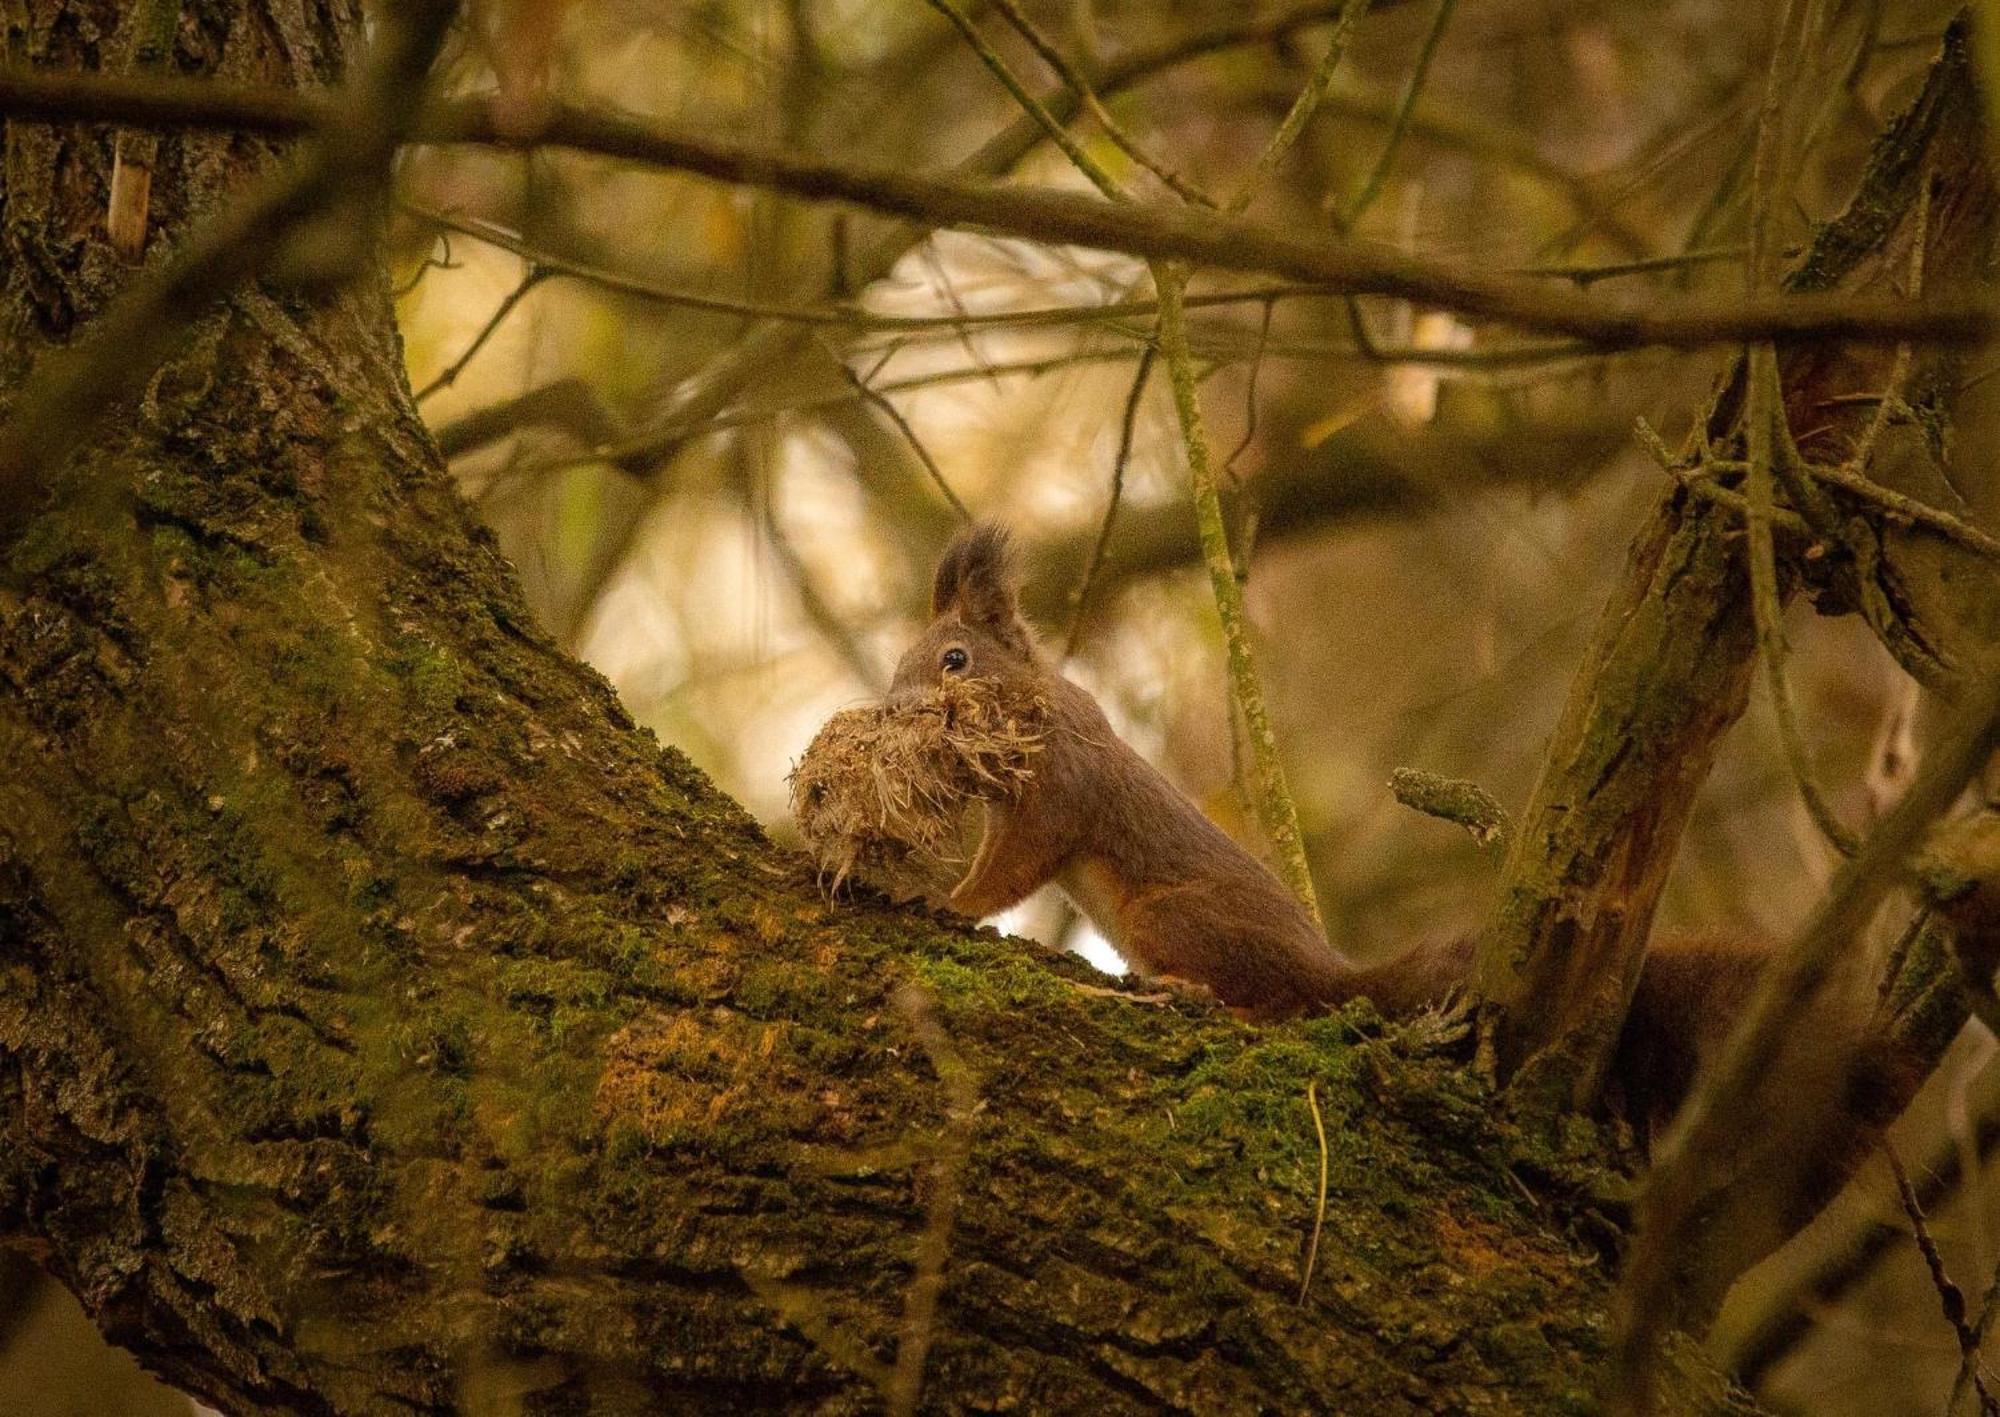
977	580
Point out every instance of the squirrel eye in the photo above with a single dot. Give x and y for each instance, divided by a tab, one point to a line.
954	660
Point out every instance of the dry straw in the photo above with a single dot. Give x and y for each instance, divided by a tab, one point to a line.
882	792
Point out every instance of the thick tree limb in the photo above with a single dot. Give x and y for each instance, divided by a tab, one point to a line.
1669	669
385	1023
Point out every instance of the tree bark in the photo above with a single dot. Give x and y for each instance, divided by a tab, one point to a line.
1669	669
386	1023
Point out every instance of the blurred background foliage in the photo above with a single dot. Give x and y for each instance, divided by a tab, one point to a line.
730	515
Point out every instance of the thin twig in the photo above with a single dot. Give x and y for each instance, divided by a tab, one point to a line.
1319	1211
427	265
1053	126
1588	275
942	284
1899	507
1276	811
1379	174
813	602
534	276
1087	96
1127	424
1895	506
1303	107
1250	396
1950	1297
895	415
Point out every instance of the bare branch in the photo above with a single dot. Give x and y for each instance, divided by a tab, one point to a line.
568	403
1127	425
1188	234
1379	173
1049	123
881	401
448	376
1715	1114
1078	83
1303	107
1584	275
1272	798
1950	1297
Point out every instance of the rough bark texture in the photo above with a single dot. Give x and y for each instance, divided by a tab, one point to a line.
1670	667
385	1023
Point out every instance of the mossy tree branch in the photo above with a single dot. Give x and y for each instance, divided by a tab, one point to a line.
1670	665
386	1023
1270	794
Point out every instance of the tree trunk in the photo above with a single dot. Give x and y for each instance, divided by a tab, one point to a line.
385	1022
1669	669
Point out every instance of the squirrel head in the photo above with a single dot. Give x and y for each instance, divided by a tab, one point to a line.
976	630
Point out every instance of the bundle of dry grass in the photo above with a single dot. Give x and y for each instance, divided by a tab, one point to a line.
883	791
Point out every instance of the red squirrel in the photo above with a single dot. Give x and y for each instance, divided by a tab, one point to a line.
1178	898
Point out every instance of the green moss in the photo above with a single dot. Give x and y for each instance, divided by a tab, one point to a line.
433	679
547	982
767	987
46	543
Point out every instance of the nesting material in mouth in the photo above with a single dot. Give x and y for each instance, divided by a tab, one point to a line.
883	792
